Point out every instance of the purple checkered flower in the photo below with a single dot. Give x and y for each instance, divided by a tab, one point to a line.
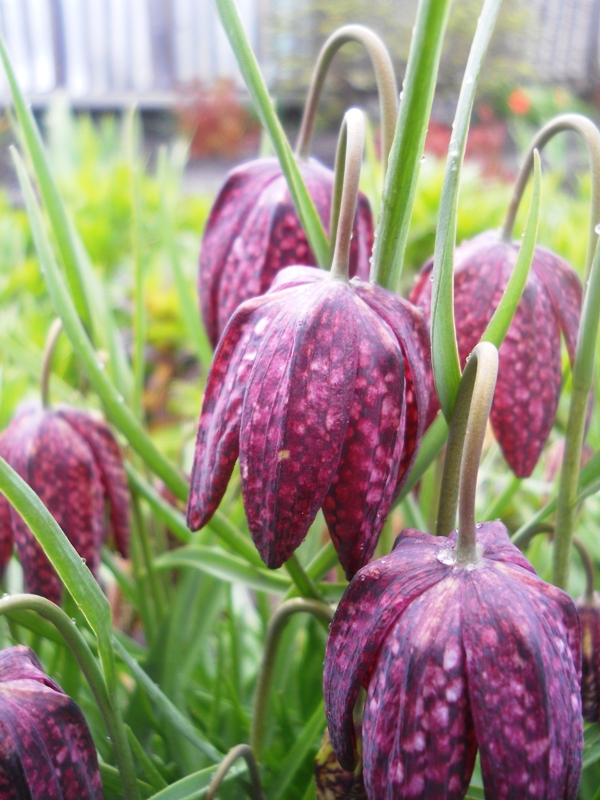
47	751
530	370
456	658
253	232
320	386
72	462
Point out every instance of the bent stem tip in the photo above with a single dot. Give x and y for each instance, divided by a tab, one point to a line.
49	347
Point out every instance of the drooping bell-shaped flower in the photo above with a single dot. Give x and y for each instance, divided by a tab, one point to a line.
253	232
455	657
529	377
71	460
320	387
47	752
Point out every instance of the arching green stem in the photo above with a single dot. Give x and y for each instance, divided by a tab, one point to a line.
90	668
384	75
276	625
49	347
591	137
583	371
348	162
240	751
465	440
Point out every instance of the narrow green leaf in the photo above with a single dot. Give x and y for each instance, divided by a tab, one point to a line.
189	307
444	350
111	779
196	785
169	711
263	105
155	779
503	315
176	523
225	566
77	578
403	166
114	402
298	754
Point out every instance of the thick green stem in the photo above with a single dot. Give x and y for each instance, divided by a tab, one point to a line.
348	162
90	668
276	626
49	347
591	136
384	75
303	583
465	441
409	139
240	751
583	371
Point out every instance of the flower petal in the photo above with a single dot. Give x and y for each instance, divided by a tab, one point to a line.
529	381
523	684
363	487
376	597
410	329
98	436
299	392
217	441
418	736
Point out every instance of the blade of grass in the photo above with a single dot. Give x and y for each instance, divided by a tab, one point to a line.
196	785
222	565
263	105
403	166
165	706
298	754
114	402
444	350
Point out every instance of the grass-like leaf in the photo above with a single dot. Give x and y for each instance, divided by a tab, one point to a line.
444	350
113	401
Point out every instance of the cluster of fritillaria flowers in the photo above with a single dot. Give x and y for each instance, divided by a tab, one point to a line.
322	387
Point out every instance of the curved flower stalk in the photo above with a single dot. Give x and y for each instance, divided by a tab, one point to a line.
460	646
320	359
47	750
254	231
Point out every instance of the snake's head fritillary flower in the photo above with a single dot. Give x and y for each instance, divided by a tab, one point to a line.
455	658
589	619
320	386
529	375
47	750
71	460
253	232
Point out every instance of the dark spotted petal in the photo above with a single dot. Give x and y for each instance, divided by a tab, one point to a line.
563	287
254	231
410	329
98	436
62	471
228	215
47	751
589	618
418	737
363	487
299	393
529	380
376	597
217	441
523	684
